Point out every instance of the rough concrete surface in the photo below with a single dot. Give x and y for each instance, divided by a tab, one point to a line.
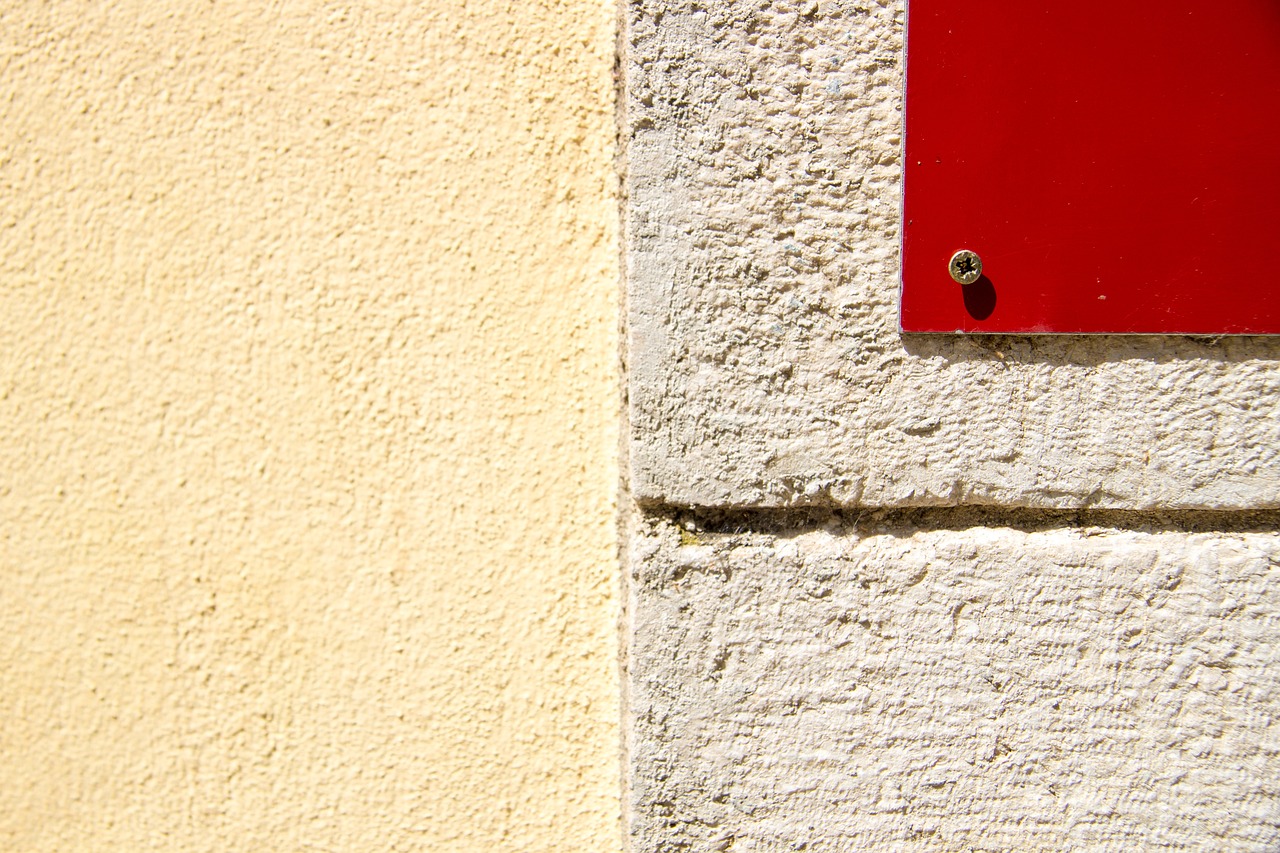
763	178
880	685
308	406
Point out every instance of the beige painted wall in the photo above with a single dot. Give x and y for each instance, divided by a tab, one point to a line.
307	418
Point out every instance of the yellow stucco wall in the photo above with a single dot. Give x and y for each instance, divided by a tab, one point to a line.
307	419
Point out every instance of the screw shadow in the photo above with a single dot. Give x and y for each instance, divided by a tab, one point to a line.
980	298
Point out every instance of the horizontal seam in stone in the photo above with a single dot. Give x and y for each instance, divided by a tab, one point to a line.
733	521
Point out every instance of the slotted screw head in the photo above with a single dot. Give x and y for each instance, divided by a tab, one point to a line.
965	266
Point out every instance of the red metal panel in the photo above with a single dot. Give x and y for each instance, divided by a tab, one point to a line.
1116	166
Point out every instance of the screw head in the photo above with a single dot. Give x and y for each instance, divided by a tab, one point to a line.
965	266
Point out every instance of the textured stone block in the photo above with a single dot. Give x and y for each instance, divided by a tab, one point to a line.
894	687
763	186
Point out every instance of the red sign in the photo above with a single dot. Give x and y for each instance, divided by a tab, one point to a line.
1114	167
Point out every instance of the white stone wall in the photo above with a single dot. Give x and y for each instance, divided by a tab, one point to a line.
762	227
1089	664
889	685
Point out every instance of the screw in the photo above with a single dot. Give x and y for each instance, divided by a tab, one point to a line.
965	266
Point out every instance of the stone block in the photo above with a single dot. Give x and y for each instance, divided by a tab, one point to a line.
887	686
763	181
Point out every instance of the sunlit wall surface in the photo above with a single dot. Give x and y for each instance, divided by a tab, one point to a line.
307	413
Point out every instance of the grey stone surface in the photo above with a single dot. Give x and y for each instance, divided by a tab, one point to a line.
763	184
888	686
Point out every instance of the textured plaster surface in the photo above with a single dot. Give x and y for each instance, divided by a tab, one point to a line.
764	182
307	413
881	685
